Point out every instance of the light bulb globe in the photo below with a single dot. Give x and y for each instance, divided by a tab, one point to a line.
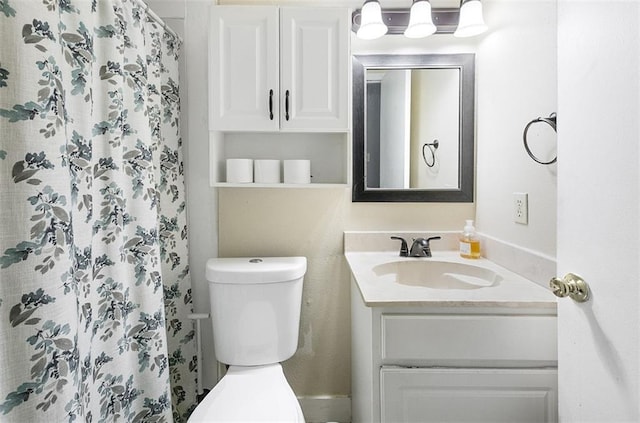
420	20
371	25
471	19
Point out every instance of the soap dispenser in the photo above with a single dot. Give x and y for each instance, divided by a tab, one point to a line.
469	242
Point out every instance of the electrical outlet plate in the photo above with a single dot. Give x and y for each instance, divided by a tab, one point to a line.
521	208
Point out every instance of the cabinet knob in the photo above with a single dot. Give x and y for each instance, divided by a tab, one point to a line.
271	104
572	286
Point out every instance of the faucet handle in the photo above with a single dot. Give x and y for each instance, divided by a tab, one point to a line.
427	247
404	250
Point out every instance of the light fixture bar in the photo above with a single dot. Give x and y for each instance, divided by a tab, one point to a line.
445	20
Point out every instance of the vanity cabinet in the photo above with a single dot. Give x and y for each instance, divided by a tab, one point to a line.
279	69
443	363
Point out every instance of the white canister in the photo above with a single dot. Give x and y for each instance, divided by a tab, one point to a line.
239	171
266	171
297	171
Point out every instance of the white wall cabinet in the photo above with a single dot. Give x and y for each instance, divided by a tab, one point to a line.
453	364
279	69
279	89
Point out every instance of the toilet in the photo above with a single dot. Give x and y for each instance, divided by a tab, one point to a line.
255	312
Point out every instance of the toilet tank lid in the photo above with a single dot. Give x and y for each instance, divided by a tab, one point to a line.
255	269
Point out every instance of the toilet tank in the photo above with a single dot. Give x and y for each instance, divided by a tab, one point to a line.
255	308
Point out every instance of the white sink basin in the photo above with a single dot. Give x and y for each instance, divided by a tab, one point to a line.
444	280
438	274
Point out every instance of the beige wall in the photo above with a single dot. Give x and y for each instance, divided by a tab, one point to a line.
310	222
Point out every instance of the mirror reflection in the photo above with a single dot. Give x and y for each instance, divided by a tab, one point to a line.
412	128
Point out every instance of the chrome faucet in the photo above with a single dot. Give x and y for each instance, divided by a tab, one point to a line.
419	248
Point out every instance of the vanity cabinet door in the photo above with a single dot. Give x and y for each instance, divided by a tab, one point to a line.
424	395
314	69
243	62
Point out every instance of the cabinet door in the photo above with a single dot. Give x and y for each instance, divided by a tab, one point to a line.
243	64
314	69
468	395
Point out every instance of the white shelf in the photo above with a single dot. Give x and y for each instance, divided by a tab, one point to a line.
329	154
276	186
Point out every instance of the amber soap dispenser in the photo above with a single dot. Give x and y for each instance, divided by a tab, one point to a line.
469	242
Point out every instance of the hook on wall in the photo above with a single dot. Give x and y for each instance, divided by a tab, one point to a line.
551	121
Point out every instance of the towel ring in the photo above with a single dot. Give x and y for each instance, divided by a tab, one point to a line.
432	148
551	121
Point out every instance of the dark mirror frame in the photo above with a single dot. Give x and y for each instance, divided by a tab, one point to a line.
466	64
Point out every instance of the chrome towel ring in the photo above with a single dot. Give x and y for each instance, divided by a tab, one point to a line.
551	121
432	148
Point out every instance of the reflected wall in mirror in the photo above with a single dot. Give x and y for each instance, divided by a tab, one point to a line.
413	128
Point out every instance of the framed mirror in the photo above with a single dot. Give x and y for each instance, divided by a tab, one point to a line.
413	128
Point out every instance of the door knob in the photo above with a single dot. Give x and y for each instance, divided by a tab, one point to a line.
572	286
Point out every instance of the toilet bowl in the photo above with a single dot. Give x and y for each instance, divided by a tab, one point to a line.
250	394
255	313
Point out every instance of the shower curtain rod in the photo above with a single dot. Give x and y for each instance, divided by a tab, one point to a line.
157	19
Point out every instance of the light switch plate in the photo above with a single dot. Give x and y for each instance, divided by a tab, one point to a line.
521	207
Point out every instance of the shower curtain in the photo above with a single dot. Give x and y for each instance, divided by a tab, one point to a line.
94	279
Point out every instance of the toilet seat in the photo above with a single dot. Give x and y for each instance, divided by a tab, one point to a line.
250	394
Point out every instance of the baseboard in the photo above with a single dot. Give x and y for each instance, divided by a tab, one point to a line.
321	409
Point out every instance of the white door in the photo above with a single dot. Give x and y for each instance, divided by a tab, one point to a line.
243	64
599	208
315	67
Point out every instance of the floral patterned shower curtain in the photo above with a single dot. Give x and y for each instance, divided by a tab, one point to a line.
94	280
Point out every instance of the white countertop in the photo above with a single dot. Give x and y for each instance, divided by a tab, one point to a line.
513	291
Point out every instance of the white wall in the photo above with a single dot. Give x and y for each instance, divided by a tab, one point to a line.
203	201
190	19
515	80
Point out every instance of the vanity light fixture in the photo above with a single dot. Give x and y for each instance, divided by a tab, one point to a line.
422	20
471	20
371	25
